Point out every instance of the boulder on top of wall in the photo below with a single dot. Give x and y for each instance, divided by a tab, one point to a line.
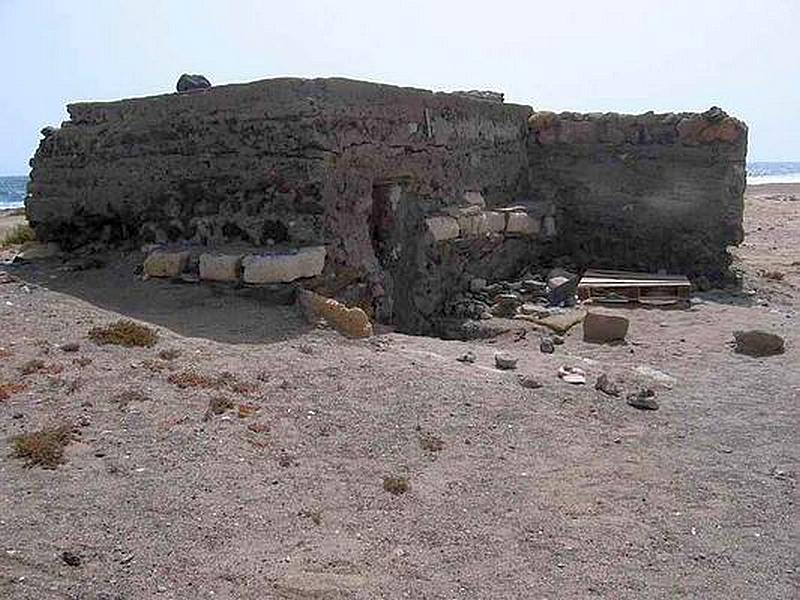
284	268
189	83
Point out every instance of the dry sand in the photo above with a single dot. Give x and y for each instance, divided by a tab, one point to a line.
557	492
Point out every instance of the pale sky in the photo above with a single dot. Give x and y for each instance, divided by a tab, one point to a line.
593	55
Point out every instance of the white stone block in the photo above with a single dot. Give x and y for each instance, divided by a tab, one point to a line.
220	267
495	221
443	228
521	223
284	268
165	263
473	223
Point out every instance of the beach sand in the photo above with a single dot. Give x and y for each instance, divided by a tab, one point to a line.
558	492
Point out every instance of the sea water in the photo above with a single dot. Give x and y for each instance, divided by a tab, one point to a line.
12	191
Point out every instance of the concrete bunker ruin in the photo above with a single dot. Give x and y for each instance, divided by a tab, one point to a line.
393	199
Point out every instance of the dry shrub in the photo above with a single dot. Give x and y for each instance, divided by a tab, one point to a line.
129	396
38	366
396	485
217	406
258	427
82	361
45	447
70	347
193	379
6	353
247	410
19	234
32	366
430	442
124	333
8	389
315	515
169	354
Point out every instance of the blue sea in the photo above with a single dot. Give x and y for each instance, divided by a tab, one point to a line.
13	189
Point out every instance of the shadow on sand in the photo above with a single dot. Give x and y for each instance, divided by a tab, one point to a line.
216	312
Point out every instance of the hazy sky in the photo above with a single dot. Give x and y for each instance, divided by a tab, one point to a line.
594	55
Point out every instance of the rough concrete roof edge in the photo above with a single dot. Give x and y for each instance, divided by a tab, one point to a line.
319	84
649	115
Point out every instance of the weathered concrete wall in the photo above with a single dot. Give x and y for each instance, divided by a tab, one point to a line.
404	188
646	192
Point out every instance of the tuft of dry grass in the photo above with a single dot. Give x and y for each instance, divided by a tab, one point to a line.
130	396
82	361
193	379
396	485
8	389
430	442
774	275
45	447
217	406
32	366
247	410
19	234
315	515
37	365
124	333
169	354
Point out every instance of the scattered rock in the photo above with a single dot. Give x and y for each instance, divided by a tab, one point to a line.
758	343
505	361
644	399
530	382
467	357
601	328
190	83
573	375
396	485
71	559
547	346
656	376
607	386
352	322
560	322
557	340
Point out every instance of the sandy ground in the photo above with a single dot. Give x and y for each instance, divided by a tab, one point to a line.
557	492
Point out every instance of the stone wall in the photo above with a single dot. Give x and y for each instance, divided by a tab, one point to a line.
411	193
646	192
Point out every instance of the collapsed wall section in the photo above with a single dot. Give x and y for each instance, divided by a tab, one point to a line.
647	192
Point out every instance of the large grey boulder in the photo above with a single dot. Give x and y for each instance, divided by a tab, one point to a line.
189	83
601	328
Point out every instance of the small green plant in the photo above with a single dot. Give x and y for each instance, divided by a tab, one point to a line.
124	333
19	234
45	447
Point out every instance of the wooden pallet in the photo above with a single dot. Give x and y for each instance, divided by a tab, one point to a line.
623	287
